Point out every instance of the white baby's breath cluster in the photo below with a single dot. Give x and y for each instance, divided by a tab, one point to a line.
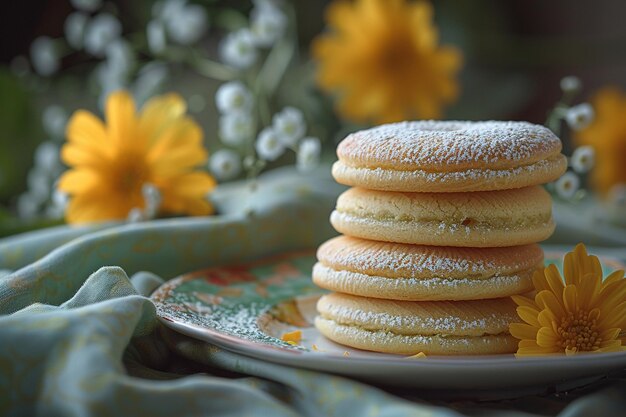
252	131
256	139
241	48
152	202
576	117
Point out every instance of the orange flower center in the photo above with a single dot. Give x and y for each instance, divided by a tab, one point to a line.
578	332
130	174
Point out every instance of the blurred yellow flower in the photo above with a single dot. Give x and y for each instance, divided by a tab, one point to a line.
607	135
383	59
582	314
111	164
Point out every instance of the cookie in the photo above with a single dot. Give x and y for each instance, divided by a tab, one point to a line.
450	156
480	219
410	327
399	271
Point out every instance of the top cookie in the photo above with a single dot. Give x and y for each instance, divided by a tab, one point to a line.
450	156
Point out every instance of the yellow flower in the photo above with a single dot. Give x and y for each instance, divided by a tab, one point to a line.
383	58
582	314
110	164
607	135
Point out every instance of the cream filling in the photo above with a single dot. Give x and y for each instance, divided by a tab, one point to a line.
465	225
542	164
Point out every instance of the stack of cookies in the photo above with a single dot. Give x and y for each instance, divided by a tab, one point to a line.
439	230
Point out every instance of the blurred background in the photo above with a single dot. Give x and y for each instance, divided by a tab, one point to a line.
55	59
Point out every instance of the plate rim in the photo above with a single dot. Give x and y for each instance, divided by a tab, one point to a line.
280	354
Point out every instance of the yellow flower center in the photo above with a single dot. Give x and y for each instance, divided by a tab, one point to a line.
578	332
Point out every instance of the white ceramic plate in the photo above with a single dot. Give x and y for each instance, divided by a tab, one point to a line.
247	308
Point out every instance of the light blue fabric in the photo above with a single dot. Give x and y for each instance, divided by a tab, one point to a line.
78	338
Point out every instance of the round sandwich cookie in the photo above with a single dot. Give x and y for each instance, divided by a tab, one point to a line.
480	219
398	271
408	327
450	156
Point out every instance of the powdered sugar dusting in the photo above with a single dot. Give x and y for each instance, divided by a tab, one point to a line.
383	340
422	325
429	144
461	318
430	288
409	261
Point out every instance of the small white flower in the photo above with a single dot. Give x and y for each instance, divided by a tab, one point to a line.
570	84
580	116
74	28
236	128
57	206
238	49
87	5
44	56
583	159
267	25
119	57
233	97
39	186
47	157
225	164
270	4
54	120
268	145
290	126
163	10
308	156
187	24
100	32
135	215
149	80
155	33
60	199
567	185
152	197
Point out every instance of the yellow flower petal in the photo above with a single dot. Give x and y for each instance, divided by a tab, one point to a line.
616	317
570	298
547	300
80	156
610	334
539	281
547	338
528	343
88	132
523	331
611	346
529	315
181	137
589	286
534	351
520	300
553	279
122	121
612	295
614	276
546	318
95	207
159	113
77	181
